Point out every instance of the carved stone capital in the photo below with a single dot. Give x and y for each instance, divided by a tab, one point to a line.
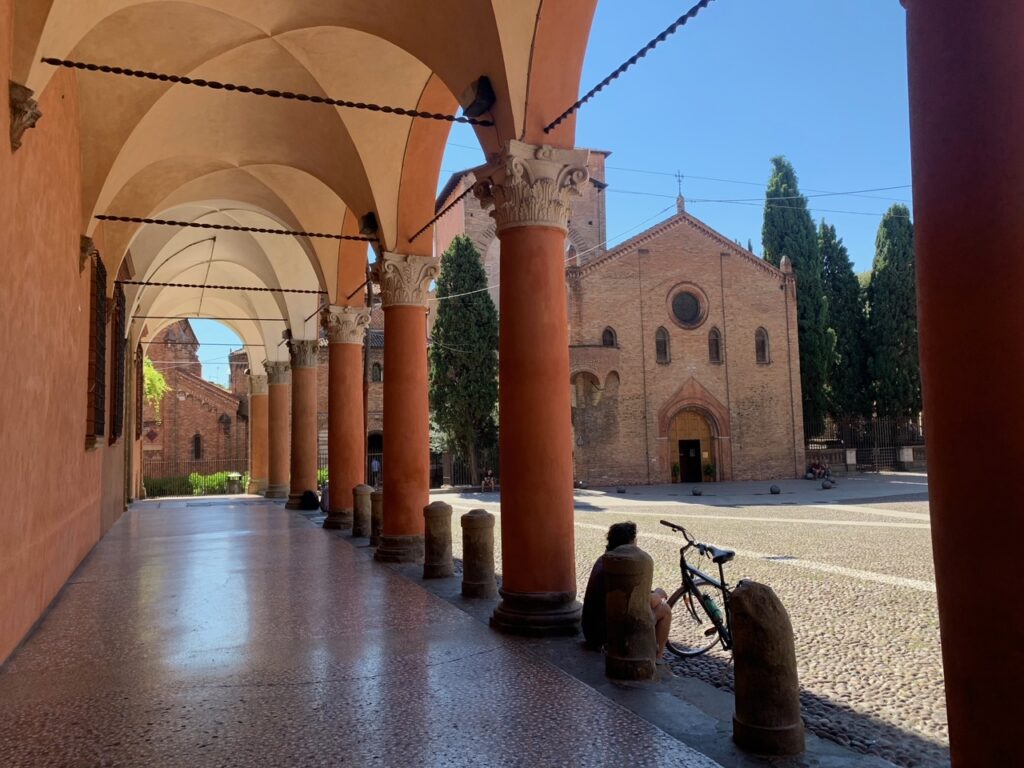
405	280
278	372
24	112
303	352
347	325
257	384
531	186
86	251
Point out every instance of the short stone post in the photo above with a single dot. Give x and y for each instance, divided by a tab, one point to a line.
376	516
361	511
767	719
437	541
631	649
478	554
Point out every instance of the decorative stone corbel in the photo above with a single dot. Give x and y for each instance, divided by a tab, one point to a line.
24	112
531	186
86	251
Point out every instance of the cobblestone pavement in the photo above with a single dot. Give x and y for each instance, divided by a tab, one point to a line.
855	574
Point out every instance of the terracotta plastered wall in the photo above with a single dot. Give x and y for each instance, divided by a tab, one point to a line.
60	497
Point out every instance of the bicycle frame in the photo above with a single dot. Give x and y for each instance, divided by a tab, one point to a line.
689	573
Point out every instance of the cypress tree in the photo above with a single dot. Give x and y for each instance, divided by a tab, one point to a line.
848	386
789	231
892	318
464	353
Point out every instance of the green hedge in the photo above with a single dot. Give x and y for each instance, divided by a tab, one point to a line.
193	484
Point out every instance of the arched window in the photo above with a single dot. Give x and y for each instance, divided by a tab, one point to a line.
197	446
376	373
761	348
715	346
608	337
661	350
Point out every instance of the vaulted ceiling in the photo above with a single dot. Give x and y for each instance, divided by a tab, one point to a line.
156	149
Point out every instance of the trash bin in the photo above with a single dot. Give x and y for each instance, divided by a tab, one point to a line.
234	484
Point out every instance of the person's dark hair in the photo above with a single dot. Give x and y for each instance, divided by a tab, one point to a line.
619	534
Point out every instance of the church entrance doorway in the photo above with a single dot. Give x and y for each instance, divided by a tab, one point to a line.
693	435
689	461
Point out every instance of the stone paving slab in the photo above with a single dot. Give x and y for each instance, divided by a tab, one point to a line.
240	634
854	570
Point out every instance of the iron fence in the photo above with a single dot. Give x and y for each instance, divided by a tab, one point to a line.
194	477
876	440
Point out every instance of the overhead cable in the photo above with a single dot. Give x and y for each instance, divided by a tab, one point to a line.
651	45
256	91
262	289
231	228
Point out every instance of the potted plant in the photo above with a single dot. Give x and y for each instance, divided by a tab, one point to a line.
709	472
675	472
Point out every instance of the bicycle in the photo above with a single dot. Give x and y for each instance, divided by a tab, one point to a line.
692	637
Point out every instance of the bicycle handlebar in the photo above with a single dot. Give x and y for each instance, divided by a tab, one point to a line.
691	542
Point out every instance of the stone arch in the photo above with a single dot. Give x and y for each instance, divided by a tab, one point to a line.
692	395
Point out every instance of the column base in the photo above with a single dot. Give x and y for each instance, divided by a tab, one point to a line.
537	614
257	486
339	519
399	549
294	501
276	492
768	740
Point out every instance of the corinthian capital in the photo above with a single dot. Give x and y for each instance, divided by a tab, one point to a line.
278	372
257	384
405	280
347	325
303	352
24	112
531	186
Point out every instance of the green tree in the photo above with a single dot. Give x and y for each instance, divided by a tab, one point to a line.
154	385
892	318
848	382
789	231
464	353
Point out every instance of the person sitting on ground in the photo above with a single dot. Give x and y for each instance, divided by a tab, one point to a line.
595	619
488	481
817	470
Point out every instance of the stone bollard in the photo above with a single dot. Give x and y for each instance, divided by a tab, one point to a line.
376	516
361	511
478	554
767	719
631	649
437	541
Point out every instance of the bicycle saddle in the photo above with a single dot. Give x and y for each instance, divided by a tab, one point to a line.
720	556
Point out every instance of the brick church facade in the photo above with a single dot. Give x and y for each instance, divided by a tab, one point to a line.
199	426
683	346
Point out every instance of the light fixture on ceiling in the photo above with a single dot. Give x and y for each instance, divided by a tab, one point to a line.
478	98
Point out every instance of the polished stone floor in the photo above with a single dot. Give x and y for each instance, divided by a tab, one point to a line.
235	633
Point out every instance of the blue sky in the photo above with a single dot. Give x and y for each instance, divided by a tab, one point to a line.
822	82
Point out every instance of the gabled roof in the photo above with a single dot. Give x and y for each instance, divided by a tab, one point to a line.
678	220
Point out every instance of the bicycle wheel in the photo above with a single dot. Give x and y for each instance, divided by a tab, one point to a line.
690	636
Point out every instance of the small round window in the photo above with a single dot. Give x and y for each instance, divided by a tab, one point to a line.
686	308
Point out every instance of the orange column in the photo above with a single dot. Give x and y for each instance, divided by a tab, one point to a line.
346	433
966	67
258	434
279	381
404	282
530	189
304	439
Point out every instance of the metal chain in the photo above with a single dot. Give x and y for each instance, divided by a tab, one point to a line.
256	91
447	208
651	45
231	227
219	287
